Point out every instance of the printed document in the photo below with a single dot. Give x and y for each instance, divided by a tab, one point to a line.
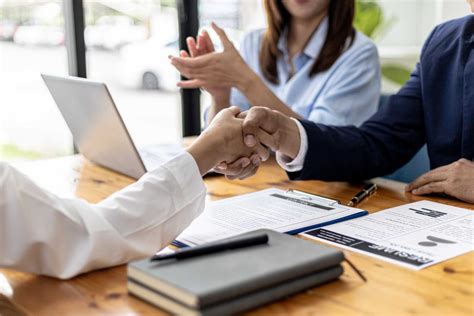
414	235
282	211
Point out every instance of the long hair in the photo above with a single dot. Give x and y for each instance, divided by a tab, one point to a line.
340	18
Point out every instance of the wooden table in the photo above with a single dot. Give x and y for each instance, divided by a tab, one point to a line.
443	289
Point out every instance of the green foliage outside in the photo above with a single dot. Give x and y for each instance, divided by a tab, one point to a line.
371	21
396	73
11	152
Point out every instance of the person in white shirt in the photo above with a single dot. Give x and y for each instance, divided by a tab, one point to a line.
44	234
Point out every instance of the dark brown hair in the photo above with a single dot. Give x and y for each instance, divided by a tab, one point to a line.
340	18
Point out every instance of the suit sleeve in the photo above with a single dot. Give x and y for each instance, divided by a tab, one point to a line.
384	143
380	146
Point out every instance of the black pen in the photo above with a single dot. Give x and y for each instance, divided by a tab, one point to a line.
213	247
368	190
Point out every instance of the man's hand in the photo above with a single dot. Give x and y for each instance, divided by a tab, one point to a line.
268	127
456	179
271	128
240	169
222	142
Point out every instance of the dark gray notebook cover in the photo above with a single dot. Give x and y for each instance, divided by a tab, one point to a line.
223	276
259	298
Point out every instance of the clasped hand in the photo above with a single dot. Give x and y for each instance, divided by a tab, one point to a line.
235	142
262	127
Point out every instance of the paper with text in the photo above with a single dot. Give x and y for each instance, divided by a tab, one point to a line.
282	211
414	235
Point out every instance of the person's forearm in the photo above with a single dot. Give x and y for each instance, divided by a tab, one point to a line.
219	102
259	94
49	235
205	152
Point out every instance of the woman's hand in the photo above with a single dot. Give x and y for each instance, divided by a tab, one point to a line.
202	46
218	71
213	70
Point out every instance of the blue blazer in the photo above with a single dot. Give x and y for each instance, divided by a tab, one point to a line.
436	107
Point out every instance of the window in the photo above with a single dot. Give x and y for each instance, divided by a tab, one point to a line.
31	42
128	43
398	27
236	17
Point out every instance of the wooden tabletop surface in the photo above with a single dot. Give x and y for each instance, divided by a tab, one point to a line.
443	289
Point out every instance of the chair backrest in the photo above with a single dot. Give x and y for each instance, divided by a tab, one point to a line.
417	166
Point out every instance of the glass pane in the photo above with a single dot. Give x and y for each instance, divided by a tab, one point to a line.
128	43
236	17
31	42
400	29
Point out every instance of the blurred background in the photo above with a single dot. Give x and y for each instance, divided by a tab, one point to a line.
127	44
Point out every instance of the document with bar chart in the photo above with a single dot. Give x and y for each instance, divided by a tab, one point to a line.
415	235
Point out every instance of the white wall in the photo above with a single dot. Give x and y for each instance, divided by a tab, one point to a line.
414	19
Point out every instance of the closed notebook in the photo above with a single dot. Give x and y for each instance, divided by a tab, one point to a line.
207	280
239	304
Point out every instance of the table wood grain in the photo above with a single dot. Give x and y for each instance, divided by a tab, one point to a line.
443	289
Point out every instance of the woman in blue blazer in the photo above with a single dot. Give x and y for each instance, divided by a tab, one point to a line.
309	63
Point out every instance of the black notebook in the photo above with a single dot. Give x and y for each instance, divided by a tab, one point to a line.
237	280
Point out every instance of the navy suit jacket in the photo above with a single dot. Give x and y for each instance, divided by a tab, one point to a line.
436	107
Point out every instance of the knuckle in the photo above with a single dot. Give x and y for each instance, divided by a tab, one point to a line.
249	124
256	110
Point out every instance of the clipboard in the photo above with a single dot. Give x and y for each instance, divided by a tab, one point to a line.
313	196
285	211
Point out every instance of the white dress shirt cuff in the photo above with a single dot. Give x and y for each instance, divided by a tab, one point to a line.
175	186
296	164
185	172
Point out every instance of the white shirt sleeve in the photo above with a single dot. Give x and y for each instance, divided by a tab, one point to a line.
296	164
44	234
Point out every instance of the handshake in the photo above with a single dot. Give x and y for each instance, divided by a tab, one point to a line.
236	142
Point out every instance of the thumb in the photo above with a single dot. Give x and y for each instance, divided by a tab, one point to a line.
235	110
226	43
255	119
242	115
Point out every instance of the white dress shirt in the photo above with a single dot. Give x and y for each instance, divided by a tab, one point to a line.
44	234
296	164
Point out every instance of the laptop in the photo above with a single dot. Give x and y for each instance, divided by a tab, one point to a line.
98	129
